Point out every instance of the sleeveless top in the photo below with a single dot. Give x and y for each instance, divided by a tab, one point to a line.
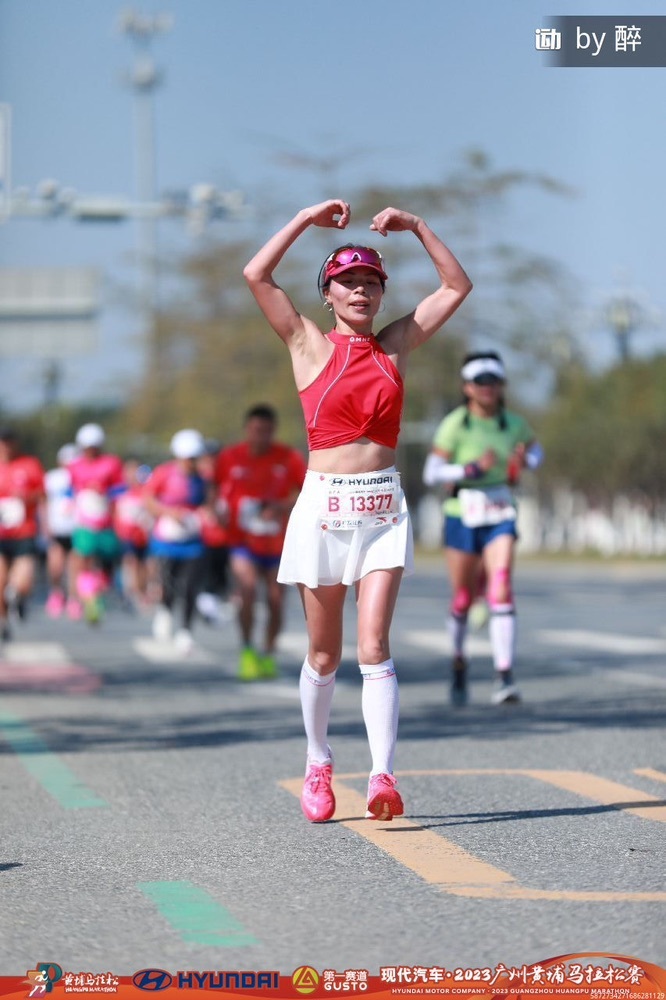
359	393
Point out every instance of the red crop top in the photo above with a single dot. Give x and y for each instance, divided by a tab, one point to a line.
358	394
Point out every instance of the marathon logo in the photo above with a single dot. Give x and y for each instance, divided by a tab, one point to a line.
228	980
361	480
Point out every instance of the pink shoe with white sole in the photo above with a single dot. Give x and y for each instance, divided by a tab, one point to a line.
384	800
317	798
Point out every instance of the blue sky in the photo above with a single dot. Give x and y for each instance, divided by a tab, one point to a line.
404	88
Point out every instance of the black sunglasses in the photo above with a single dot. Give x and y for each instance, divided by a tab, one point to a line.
487	379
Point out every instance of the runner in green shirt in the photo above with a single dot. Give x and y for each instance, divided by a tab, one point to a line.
479	450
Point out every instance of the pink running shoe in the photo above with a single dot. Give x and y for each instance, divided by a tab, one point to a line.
384	801
55	604
74	609
317	798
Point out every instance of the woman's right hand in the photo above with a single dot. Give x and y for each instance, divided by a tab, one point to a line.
331	214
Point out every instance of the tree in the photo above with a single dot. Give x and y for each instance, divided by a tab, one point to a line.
604	434
523	302
215	355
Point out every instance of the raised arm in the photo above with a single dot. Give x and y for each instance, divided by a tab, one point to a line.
273	301
418	326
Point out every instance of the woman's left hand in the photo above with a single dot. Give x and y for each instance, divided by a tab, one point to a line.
518	456
393	220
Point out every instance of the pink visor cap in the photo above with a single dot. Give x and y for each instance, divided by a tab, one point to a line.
350	258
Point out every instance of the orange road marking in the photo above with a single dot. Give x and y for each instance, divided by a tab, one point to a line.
609	793
650	772
434	858
445	865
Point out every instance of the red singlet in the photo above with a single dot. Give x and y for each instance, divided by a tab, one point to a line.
248	482
21	479
358	394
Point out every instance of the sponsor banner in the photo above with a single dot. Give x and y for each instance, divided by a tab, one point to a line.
597	976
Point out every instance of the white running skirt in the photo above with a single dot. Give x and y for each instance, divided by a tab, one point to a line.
343	527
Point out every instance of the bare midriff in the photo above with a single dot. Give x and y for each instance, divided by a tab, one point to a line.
363	455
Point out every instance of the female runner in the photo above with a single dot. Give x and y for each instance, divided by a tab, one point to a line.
479	450
350	524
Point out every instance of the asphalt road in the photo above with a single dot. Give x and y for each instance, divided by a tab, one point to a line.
149	811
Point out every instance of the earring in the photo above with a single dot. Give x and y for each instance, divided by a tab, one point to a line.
327	305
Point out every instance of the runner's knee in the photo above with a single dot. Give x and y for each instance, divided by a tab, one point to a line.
461	602
374	649
499	587
324	662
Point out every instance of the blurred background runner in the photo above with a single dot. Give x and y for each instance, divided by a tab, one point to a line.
260	480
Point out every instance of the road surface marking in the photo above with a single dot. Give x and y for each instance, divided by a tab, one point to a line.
54	776
650	772
44	665
157	651
442	863
195	915
606	642
632	677
436	641
31	652
590	786
609	793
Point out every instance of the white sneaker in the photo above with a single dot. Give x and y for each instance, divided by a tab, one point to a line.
183	641
163	624
213	610
505	690
206	606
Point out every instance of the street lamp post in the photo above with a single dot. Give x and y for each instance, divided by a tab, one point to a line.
144	80
199	205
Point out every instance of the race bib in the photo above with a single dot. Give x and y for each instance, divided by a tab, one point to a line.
355	502
172	529
61	519
12	512
251	519
92	507
489	506
131	510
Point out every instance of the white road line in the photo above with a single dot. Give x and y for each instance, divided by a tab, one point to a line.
606	642
437	641
279	689
35	652
166	652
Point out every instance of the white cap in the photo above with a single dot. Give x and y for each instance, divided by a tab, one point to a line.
90	436
67	454
188	444
482	366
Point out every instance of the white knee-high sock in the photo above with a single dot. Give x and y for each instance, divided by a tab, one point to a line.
316	697
380	705
502	631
